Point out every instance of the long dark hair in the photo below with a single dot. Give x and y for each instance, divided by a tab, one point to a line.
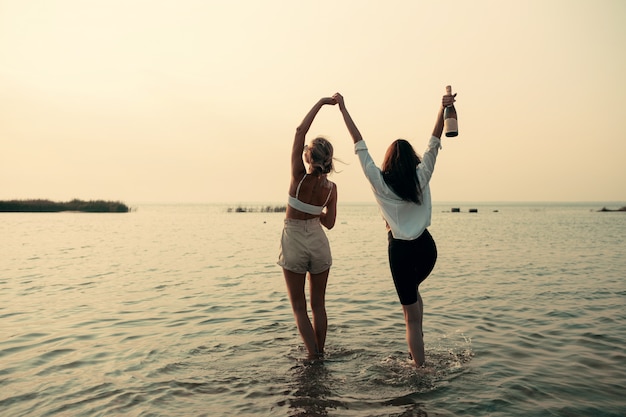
400	171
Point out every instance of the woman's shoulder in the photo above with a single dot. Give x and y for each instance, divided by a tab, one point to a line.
330	184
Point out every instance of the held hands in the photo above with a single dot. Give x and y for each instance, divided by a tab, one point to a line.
335	99
339	99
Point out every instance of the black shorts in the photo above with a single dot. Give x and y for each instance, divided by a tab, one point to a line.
411	261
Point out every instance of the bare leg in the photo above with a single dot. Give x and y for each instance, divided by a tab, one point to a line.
318	307
413	319
295	288
421	311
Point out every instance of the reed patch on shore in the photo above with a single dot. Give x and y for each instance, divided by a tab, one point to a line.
47	206
258	209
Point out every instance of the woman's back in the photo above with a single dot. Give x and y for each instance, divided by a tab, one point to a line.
308	196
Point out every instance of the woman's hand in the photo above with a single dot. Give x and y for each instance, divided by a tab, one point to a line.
328	100
338	99
448	100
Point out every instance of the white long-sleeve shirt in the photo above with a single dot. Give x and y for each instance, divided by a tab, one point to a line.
405	219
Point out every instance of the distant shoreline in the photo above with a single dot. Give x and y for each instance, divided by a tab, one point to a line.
47	206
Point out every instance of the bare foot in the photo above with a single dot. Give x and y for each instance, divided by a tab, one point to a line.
426	368
314	357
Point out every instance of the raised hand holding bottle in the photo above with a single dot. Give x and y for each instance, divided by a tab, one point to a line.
450	121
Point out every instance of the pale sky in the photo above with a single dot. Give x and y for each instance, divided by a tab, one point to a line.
197	101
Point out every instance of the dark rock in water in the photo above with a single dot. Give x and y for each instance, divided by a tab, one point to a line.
604	209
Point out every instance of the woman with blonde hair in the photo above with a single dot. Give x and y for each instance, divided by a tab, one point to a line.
304	247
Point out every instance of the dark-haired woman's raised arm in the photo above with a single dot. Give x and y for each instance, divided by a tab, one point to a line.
354	131
445	102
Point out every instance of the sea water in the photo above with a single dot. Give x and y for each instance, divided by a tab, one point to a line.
181	310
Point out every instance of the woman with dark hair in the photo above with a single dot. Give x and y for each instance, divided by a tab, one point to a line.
304	247
401	188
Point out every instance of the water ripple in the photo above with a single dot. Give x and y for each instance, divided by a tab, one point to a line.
521	318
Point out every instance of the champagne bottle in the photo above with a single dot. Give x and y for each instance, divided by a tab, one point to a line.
450	122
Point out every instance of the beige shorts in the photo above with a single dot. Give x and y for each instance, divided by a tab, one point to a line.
304	247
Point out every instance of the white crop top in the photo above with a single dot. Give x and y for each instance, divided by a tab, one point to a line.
306	207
